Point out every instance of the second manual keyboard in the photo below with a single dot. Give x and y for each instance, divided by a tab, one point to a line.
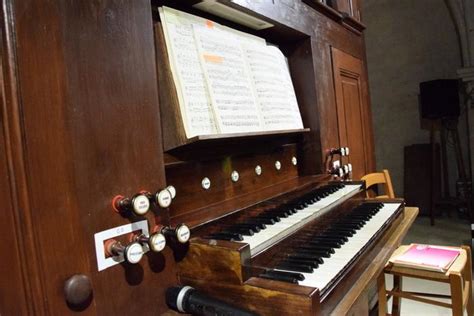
266	228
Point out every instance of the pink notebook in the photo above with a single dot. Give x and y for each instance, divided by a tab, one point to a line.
434	258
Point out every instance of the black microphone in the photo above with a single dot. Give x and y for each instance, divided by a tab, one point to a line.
186	299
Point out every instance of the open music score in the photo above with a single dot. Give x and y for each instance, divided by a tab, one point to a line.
227	81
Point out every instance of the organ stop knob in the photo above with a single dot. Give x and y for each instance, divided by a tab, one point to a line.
180	233
156	241
132	253
139	204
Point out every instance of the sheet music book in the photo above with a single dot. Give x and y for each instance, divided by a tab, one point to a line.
193	96
227	81
427	257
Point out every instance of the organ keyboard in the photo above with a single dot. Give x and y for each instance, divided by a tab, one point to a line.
310	238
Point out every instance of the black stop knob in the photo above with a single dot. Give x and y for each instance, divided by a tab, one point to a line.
77	289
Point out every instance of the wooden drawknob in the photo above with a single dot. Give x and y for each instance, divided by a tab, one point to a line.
77	289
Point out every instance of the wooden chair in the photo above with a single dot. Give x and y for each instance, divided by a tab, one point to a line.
459	277
382	178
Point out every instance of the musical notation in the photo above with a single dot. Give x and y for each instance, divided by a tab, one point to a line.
227	81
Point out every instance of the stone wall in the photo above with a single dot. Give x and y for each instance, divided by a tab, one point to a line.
407	42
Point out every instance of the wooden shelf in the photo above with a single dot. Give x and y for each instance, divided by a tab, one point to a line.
351	23
266	138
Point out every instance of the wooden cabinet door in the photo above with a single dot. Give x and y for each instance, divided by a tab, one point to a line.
353	115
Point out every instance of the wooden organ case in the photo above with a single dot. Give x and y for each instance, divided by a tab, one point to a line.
85	118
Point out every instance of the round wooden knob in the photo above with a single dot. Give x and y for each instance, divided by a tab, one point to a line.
77	289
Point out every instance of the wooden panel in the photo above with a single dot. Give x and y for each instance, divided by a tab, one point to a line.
192	198
90	128
352	110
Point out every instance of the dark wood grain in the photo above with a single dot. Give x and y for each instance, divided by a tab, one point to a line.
12	283
90	129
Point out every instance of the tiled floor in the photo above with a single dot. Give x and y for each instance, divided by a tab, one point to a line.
447	231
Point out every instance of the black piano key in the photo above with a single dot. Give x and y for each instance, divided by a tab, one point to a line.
335	240
328	243
354	224
283	278
262	220
295	275
242	231
306	256
312	263
334	235
294	267
275	218
256	223
225	236
322	247
310	250
343	223
339	232
280	213
254	228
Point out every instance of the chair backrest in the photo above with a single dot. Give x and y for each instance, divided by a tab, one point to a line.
383	178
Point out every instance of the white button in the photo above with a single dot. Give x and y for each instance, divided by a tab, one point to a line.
258	170
343	151
206	183
234	176
347	151
164	198
172	190
277	165
294	161
134	253
157	242
140	204
183	233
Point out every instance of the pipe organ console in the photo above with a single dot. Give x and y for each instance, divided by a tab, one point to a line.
110	208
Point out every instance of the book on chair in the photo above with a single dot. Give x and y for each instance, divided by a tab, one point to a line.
427	257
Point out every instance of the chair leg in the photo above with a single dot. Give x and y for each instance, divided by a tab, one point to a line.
382	293
396	300
468	277
456	284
